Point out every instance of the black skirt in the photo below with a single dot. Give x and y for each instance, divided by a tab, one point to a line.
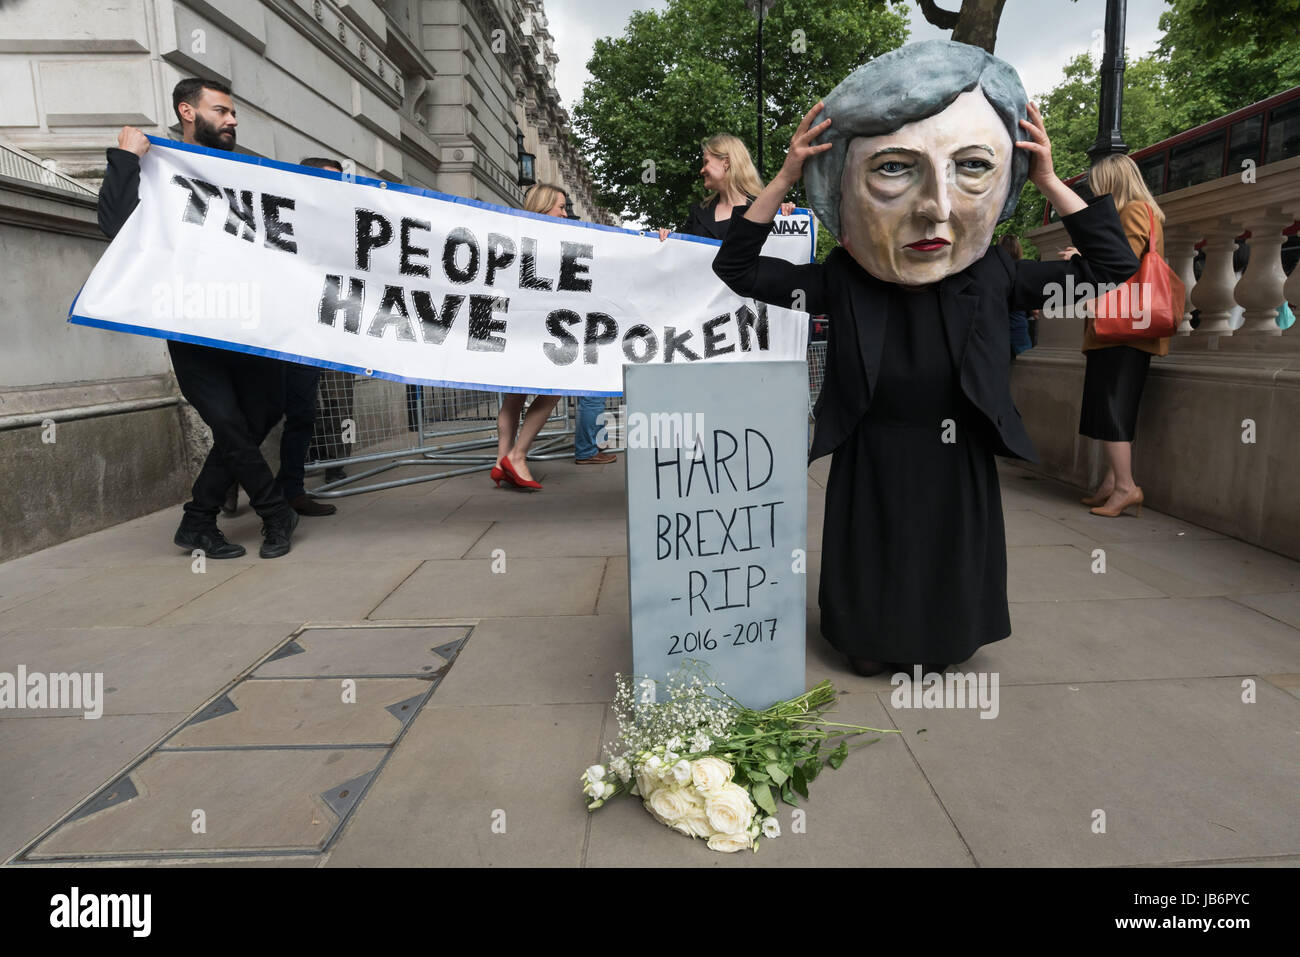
914	559
1112	390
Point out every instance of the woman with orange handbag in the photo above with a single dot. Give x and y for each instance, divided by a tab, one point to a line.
1112	384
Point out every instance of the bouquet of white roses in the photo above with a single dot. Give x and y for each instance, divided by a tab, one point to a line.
709	767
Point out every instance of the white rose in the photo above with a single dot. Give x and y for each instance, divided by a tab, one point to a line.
698	822
668	805
681	827
653	763
647	784
670	757
594	789
730	810
729	843
711	774
682	772
771	827
596	773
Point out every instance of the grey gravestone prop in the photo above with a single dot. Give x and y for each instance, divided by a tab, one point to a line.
717	523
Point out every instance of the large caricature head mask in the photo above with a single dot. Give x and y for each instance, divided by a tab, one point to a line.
922	166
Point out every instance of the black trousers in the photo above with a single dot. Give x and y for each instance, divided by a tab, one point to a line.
299	423
240	397
337	390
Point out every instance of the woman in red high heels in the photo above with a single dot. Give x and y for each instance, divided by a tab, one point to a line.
514	440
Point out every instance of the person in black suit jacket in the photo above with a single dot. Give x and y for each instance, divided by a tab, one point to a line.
928	148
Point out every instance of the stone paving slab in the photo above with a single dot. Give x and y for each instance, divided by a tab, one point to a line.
50	765
1181	767
437	799
244	795
614	599
1284	606
593	537
341	591
548	505
1198	568
158	669
1120	640
122	596
1150	526
520	661
1025	526
142	541
1064	572
385	534
876	810
358	652
22	581
470	589
273	712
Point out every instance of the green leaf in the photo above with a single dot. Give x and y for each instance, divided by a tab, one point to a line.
799	781
758	776
778	775
772	752
787	795
763	798
836	757
811	769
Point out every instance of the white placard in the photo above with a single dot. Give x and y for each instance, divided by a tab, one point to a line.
717	523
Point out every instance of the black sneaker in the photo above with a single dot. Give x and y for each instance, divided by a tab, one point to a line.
209	539
276	533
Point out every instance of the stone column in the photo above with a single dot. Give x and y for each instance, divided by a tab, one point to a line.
1213	294
1180	252
1259	292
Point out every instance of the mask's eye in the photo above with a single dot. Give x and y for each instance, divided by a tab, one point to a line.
974	165
892	167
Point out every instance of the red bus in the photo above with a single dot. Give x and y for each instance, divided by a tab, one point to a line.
1264	132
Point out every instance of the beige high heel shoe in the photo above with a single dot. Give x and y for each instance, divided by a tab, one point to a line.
1133	498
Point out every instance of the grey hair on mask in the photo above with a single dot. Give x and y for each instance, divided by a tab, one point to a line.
905	85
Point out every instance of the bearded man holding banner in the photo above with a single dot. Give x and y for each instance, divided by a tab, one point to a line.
239	396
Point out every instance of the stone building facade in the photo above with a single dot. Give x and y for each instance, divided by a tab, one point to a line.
430	93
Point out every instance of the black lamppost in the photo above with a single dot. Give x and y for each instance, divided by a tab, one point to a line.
1109	140
527	161
759	8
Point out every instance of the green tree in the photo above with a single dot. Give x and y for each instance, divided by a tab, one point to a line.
678	76
1192	77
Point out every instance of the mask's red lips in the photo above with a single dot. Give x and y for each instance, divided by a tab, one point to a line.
928	245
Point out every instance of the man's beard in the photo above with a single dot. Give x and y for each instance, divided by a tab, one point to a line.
205	134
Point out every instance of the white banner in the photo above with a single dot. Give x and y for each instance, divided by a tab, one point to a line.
385	280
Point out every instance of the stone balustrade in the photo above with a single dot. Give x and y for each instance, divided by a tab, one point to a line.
1263	204
1216	435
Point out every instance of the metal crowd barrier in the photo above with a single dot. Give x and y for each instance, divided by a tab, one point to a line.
368	427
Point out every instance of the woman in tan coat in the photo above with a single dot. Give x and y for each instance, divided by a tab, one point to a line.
1112	385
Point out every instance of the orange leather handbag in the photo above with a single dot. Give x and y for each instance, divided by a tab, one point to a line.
1148	306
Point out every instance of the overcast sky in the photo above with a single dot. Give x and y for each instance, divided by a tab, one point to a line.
1037	37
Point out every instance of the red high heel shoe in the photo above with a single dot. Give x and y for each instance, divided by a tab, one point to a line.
513	477
497	475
